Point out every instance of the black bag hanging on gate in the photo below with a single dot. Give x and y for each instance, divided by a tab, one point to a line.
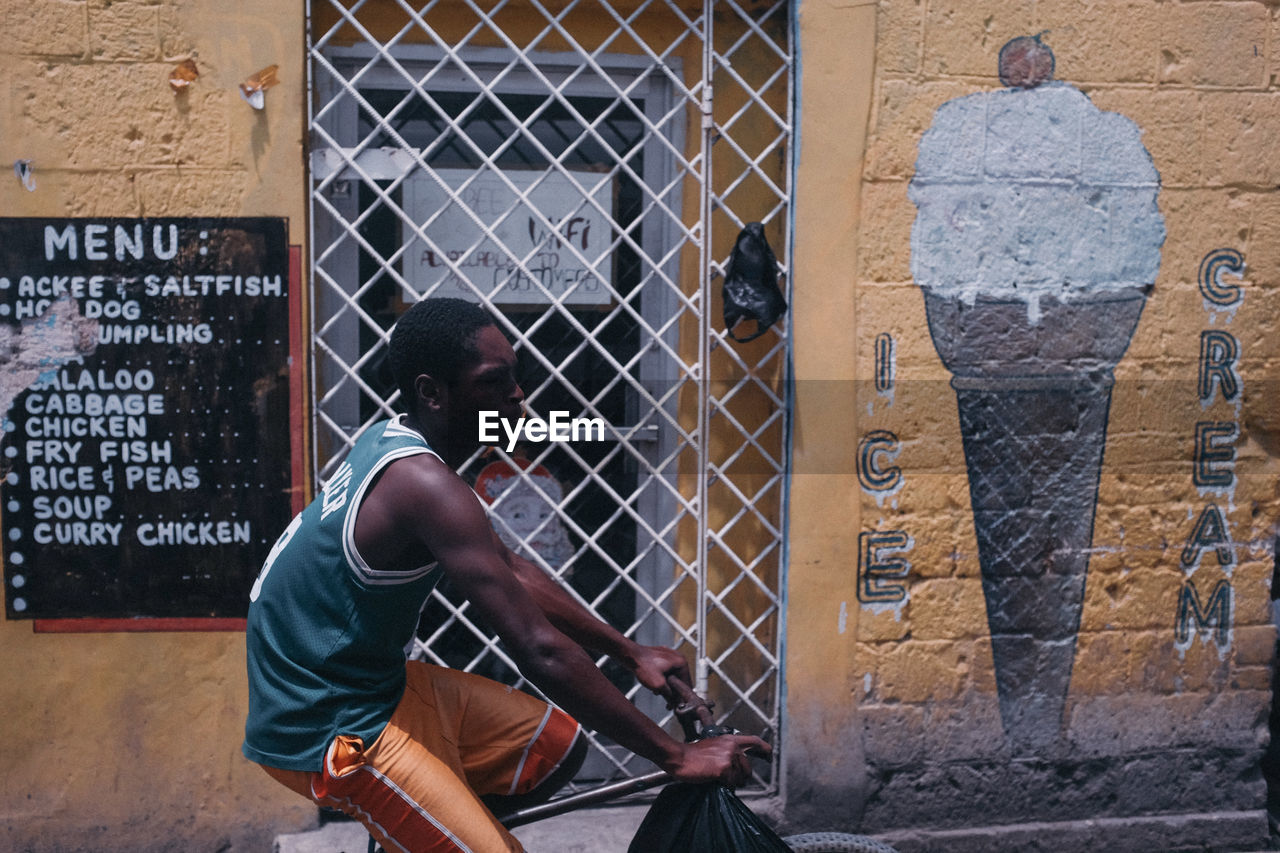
751	284
706	818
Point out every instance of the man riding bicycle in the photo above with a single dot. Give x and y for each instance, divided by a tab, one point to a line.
337	714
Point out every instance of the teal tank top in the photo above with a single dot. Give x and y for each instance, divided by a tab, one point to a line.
326	634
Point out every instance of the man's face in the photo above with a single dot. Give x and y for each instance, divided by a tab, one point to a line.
487	384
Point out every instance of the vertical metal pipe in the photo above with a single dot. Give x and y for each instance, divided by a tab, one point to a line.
310	348
784	568
704	344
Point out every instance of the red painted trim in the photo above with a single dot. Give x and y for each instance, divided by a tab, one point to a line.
297	380
92	626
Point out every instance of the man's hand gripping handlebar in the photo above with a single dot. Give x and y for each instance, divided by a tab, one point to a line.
711	753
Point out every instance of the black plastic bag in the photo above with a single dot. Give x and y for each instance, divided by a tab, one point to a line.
707	818
751	284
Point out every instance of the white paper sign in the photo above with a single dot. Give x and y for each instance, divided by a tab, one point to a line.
552	236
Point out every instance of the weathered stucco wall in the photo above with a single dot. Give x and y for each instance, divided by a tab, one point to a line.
993	620
130	741
1148	698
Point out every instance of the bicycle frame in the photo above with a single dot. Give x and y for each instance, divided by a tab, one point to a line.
573	802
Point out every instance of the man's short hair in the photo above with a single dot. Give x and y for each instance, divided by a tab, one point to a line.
437	337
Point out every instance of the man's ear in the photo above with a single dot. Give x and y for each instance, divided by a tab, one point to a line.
431	393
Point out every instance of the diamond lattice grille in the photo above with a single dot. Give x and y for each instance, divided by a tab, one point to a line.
582	169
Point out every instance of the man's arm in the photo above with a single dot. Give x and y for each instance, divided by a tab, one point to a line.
421	500
652	665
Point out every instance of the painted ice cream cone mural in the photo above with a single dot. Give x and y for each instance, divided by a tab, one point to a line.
1036	240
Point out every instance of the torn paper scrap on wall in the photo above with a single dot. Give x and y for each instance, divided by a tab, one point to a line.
40	346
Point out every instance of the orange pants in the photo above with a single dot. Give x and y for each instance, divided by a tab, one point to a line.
453	737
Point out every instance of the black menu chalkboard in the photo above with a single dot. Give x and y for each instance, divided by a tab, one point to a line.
146	454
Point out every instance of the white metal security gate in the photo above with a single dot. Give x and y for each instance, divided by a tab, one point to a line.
581	168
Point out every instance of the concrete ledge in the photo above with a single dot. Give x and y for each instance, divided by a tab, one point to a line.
607	830
1178	833
340	837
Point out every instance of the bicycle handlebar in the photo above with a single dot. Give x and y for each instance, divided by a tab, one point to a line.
694	713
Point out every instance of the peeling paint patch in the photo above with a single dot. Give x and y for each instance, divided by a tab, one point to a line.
40	346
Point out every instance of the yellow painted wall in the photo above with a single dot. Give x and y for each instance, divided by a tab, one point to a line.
125	741
131	741
893	719
821	746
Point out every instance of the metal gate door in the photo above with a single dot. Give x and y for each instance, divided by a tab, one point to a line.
581	169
